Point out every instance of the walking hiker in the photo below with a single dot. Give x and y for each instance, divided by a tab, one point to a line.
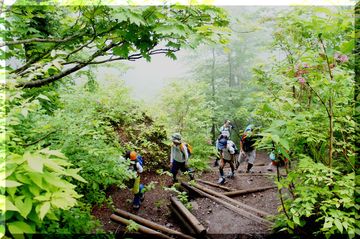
179	157
226	127
227	155
247	148
224	130
136	165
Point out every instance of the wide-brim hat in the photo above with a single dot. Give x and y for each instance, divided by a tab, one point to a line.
176	138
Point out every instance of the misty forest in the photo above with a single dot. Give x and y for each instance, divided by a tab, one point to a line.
240	122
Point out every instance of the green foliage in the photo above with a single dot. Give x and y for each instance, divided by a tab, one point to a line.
132	227
181	195
55	41
323	202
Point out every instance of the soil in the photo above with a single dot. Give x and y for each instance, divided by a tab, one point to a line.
219	221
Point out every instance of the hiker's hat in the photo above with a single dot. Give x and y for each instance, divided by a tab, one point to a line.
176	138
133	155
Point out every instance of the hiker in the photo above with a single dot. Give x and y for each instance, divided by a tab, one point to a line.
226	127
136	165
179	157
227	155
224	130
247	148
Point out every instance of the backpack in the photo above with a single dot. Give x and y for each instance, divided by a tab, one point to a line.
247	142
222	143
139	160
188	147
237	151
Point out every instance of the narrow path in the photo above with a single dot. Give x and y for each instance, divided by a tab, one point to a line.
219	221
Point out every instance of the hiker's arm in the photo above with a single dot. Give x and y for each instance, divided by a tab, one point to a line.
171	155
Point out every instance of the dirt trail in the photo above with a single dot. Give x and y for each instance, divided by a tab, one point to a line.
219	221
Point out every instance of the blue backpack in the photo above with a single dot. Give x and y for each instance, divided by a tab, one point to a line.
222	143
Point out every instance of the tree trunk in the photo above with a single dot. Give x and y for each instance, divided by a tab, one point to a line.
190	218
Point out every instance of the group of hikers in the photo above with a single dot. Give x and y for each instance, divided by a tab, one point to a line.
180	153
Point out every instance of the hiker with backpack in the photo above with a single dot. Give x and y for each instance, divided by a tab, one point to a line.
225	129
179	157
247	148
227	155
136	165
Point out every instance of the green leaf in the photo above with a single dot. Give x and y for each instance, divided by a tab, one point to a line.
55	153
296	220
19	227
2	230
8	206
44	208
37	179
338	224
12	184
44	97
122	51
35	163
24	207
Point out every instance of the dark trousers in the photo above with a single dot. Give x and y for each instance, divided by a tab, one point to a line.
176	166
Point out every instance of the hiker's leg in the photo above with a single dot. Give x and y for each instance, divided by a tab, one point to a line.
251	159
221	167
185	168
241	159
137	195
174	170
232	166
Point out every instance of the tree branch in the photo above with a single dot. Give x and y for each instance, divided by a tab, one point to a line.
32	40
41	82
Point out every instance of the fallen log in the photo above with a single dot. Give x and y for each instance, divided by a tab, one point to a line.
191	219
142	228
234	202
246	191
239	211
151	224
182	219
215	185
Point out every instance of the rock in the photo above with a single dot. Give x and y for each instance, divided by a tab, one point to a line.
207	222
195	205
209	211
168	225
214	203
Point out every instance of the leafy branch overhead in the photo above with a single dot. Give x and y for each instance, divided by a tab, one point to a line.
52	42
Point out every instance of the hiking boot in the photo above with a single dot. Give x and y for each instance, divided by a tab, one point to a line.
249	171
230	175
221	180
136	207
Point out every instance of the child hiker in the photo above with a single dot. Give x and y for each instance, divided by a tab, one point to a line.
179	157
136	164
